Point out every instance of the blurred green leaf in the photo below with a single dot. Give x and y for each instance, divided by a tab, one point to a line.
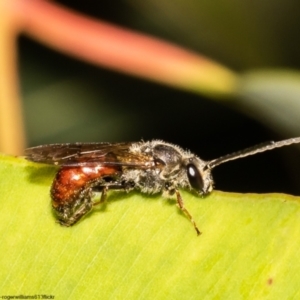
272	96
143	247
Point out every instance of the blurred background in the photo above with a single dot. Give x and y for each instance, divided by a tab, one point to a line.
68	100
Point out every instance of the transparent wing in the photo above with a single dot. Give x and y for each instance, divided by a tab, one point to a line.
88	154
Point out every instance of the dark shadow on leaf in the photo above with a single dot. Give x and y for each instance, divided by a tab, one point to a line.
42	175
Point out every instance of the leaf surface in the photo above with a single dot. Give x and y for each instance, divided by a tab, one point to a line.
142	247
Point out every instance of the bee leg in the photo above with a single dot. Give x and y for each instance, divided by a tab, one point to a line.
185	211
103	196
126	186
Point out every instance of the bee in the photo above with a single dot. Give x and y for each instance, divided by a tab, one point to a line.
150	167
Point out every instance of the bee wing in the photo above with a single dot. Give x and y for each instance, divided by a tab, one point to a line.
87	154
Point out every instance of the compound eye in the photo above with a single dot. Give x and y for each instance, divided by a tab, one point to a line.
194	177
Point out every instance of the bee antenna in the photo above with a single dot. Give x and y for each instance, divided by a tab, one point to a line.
251	151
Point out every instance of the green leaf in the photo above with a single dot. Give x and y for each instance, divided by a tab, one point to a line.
272	97
143	247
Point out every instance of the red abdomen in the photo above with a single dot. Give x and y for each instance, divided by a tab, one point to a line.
71	181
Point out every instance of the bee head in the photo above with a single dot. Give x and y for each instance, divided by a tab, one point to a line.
199	176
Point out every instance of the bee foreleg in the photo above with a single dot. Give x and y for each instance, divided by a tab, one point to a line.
185	211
